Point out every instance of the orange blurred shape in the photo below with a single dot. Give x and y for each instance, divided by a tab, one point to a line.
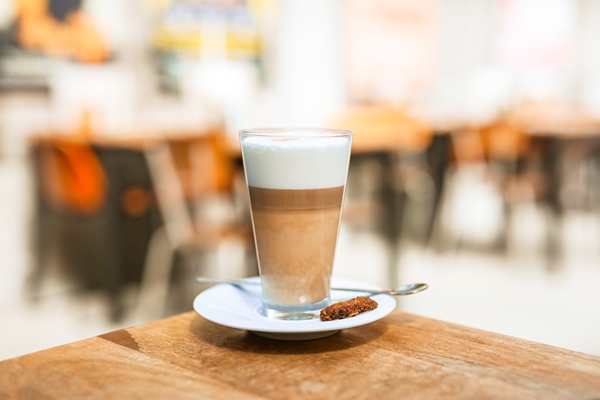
76	37
202	163
73	177
500	140
135	201
505	140
385	126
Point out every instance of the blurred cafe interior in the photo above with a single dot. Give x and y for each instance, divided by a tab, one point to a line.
475	164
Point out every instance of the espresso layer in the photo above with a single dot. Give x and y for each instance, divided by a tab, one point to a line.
296	251
292	199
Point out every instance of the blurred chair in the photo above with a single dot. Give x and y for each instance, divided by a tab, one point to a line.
93	215
565	161
490	156
193	224
71	192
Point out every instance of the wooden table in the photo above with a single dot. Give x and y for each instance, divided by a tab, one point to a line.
400	356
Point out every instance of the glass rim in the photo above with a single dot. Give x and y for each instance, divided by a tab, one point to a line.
306	132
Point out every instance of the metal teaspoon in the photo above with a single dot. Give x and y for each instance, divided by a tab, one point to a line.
404	290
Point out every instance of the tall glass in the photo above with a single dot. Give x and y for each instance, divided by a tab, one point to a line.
296	182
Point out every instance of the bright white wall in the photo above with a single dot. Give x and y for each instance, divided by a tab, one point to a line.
308	71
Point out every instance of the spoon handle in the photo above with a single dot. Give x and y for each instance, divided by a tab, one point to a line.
370	291
202	279
257	283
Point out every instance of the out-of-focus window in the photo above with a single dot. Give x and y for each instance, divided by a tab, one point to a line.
537	34
537	40
390	48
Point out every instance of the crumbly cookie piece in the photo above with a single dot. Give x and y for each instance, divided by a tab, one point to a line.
347	309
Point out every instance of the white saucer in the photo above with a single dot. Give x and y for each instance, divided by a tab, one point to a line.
238	307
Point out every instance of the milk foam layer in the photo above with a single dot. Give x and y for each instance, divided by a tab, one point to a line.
296	163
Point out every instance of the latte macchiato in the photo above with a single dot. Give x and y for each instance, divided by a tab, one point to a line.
296	183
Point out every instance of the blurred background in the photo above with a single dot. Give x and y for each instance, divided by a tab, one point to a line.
475	166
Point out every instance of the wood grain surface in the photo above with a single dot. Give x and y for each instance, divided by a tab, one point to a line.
400	356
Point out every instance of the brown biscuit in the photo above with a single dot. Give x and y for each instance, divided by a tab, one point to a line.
347	309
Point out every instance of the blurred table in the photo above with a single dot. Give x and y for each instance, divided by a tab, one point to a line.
400	356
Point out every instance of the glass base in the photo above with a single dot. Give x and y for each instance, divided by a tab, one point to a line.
294	313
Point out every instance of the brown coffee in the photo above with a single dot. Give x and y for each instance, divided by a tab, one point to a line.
296	233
